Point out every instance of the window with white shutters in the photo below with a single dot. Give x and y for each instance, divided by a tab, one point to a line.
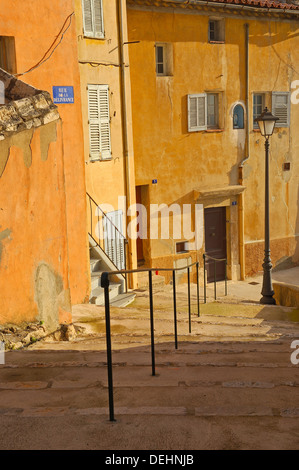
197	112
281	108
99	122
203	111
93	23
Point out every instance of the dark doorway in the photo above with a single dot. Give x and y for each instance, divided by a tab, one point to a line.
215	241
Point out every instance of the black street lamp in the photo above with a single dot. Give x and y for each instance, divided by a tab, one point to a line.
266	122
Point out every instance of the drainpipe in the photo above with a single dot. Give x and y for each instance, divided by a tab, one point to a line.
247	155
120	24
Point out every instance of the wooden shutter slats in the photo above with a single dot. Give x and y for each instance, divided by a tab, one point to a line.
99	122
93	24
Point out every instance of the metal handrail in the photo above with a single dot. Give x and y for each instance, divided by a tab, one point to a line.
105	282
205	256
116	231
106	216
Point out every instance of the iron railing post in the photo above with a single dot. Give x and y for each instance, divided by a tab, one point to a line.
174	310
125	242
197	282
189	300
204	279
226	277
150	278
215	293
105	284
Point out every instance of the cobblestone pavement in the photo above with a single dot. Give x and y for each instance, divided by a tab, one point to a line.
229	385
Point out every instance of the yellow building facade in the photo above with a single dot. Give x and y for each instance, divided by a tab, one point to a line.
200	74
107	122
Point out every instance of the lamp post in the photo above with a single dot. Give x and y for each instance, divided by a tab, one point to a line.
266	122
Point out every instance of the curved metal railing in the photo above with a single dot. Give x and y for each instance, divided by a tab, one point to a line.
215	260
105	282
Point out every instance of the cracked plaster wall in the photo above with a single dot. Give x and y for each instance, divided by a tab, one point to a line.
34	275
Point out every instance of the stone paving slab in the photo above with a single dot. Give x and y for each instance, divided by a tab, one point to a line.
230	385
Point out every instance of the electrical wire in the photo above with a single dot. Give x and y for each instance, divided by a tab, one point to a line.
45	58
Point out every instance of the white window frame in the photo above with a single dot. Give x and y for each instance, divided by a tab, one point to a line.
99	120
93	27
197	128
274	106
204	127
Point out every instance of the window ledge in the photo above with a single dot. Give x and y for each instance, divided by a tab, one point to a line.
216	42
209	131
94	160
97	38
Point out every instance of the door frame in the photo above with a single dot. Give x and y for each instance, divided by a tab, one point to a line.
220	269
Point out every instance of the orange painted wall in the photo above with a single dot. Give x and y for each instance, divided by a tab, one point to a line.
35	26
33	229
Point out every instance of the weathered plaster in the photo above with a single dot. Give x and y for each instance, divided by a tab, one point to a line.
50	296
21	140
48	134
4	234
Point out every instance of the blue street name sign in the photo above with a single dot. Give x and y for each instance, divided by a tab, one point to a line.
63	94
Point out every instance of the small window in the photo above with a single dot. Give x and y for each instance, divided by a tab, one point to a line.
216	30
8	54
238	117
93	23
182	247
258	107
163	59
160	60
281	108
287	166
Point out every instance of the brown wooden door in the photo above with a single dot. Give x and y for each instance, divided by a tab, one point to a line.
215	241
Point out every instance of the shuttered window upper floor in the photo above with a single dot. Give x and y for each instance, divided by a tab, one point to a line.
93	19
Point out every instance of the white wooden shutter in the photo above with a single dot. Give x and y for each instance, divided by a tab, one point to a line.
93	23
114	241
281	108
197	112
104	122
87	17
98	18
99	122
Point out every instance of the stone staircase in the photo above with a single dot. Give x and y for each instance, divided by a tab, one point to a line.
143	280
100	263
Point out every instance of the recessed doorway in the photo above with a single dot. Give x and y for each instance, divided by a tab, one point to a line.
215	242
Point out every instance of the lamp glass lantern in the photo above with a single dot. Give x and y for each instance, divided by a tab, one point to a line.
266	122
